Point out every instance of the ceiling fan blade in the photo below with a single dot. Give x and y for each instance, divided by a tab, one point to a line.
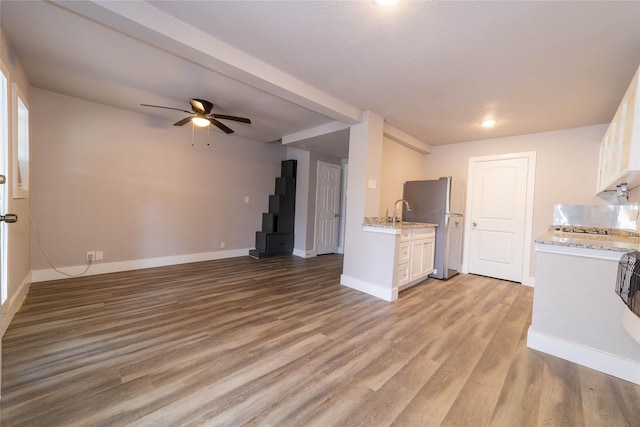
237	119
201	105
166	108
220	125
183	121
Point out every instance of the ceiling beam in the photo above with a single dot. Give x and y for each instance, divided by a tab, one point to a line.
314	132
144	22
405	139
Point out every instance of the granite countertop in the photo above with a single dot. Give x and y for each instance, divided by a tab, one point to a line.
382	222
591	238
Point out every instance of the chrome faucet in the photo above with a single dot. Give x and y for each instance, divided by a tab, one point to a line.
395	205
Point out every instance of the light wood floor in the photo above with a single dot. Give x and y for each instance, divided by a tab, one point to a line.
278	342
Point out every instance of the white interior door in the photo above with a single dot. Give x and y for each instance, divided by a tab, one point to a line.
497	218
327	208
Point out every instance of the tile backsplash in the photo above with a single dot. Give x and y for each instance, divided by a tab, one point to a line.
622	217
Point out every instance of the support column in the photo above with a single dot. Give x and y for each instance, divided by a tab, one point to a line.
368	257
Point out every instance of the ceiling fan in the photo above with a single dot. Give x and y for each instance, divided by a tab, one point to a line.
203	116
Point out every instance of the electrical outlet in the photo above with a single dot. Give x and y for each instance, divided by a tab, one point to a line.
222	245
246	199
99	255
91	255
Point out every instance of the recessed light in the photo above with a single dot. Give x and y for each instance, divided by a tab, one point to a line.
489	123
386	2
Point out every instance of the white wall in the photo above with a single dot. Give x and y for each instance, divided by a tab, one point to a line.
368	257
19	254
306	180
134	187
566	171
399	164
303	159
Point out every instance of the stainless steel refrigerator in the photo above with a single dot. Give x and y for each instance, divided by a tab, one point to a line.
430	201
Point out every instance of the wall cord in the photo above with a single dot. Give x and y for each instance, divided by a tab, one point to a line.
39	245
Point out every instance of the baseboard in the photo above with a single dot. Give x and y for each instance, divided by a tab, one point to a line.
387	294
529	281
12	305
304	254
463	268
114	267
608	363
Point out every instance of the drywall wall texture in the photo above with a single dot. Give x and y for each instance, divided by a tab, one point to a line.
303	159
134	187
399	164
566	167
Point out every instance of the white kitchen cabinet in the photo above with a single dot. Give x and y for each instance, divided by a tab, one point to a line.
403	276
403	258
400	255
415	256
421	258
620	147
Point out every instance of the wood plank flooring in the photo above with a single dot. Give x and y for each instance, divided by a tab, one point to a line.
278	342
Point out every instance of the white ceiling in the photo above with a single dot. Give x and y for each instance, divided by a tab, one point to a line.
432	69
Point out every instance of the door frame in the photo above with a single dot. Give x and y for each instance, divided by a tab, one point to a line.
5	204
315	212
343	205
526	279
5	146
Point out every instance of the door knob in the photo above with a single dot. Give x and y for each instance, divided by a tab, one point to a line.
3	179
9	218
474	224
336	216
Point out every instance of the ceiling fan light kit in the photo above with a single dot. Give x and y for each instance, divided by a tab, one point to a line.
200	121
203	116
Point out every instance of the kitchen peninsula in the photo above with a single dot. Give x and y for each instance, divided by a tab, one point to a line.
577	314
411	249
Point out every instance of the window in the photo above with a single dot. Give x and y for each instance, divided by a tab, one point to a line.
20	145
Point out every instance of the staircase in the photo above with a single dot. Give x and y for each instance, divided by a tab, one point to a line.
276	237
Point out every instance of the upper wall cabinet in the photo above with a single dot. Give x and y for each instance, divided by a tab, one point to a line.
620	147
